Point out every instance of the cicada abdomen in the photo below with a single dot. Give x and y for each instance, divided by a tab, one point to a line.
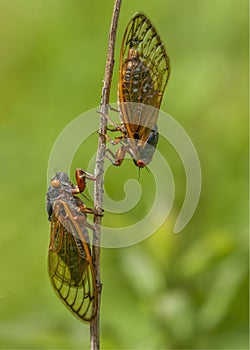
144	64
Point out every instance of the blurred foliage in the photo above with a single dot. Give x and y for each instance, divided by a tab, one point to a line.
171	291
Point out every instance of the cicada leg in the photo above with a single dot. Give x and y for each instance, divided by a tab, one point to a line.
117	127
81	177
87	210
118	157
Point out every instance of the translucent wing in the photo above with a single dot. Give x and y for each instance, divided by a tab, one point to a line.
144	73
69	260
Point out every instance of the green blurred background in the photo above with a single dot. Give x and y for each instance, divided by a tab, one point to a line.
186	291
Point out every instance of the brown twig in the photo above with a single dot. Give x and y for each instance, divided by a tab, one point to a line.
98	188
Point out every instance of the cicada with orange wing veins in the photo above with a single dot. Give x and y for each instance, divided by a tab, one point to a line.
143	76
69	257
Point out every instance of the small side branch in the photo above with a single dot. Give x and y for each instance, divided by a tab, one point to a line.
99	186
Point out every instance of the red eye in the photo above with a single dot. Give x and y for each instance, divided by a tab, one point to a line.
141	164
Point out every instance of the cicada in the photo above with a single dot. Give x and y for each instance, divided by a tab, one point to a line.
143	76
69	258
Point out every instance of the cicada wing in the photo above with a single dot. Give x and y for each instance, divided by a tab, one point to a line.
144	63
143	76
140	119
70	265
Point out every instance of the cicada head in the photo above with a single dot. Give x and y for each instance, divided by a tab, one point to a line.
145	150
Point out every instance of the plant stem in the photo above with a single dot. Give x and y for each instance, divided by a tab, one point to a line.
99	186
